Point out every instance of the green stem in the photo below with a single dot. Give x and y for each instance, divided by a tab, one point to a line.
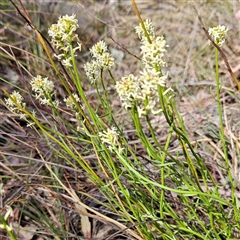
221	127
162	170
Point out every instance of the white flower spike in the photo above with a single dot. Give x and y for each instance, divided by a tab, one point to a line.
218	34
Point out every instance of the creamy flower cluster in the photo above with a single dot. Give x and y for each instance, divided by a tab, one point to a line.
153	48
110	137
149	28
143	90
44	90
16	105
63	35
218	34
102	60
70	102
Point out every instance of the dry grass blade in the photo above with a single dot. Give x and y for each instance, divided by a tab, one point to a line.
85	223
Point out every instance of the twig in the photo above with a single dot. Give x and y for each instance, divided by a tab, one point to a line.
125	49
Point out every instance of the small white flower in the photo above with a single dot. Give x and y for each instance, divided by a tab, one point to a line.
42	85
56	103
67	62
149	27
15	103
110	137
102	60
105	61
69	101
16	98
218	34
92	71
152	78
98	49
63	32
58	56
44	90
79	47
141	111
63	36
128	89
153	53
31	123
142	91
